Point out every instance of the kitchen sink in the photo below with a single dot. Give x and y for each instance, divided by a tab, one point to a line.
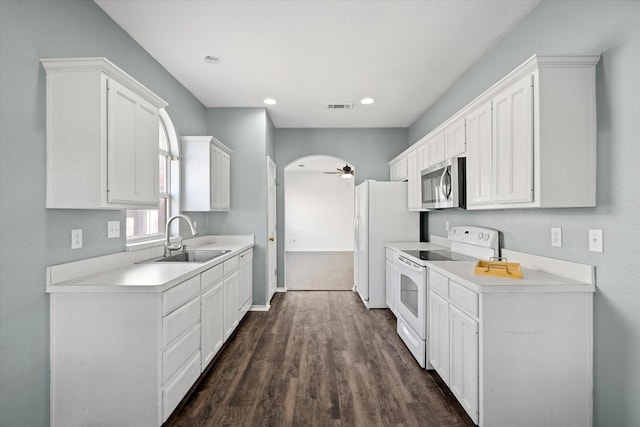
192	255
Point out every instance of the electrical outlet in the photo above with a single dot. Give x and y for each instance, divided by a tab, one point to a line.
76	238
556	237
113	229
595	241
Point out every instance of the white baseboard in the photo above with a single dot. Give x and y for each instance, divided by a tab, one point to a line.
265	307
281	289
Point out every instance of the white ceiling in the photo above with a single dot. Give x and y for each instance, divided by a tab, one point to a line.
307	54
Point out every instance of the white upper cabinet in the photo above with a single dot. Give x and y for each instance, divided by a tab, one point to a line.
435	149
206	166
543	137
398	169
454	139
513	143
479	155
413	182
529	140
102	137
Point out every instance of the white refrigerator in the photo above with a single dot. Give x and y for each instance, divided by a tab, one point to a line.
381	215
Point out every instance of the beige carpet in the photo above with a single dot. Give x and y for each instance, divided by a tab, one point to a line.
319	271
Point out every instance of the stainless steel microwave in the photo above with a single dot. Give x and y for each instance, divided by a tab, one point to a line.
443	185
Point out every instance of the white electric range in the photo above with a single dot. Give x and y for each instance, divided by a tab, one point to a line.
466	244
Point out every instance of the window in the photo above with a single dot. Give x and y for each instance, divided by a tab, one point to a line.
148	224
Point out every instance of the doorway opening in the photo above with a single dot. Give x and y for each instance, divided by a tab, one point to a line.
318	222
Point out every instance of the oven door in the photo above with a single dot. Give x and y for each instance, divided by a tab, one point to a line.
412	302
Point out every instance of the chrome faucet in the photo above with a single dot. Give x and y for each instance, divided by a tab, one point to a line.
168	247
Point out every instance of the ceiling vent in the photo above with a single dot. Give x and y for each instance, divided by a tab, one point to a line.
340	106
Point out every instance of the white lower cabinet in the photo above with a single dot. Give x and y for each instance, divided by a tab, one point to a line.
439	335
128	358
392	281
463	358
245	279
231	292
212	314
513	357
453	339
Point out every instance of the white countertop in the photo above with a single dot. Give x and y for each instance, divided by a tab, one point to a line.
127	276
533	280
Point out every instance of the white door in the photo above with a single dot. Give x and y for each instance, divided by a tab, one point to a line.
272	265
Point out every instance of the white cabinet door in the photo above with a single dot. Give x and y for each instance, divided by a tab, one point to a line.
454	139
212	323
121	143
439	335
215	181
108	123
245	279
225	182
413	184
391	285
463	373
435	147
207	174
513	143
231	313
398	169
479	155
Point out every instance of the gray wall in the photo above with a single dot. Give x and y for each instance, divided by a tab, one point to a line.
245	131
611	28
31	236
368	150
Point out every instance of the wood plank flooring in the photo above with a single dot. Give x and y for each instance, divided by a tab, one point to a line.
319	359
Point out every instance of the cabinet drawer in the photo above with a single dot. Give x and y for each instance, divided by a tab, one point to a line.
179	386
464	298
178	354
230	265
180	320
439	284
211	277
178	295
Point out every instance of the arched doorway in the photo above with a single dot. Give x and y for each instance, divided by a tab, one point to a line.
318	224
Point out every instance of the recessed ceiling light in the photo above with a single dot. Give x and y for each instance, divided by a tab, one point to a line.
212	59
270	101
366	101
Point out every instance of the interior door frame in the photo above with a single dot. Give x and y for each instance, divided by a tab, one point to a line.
272	231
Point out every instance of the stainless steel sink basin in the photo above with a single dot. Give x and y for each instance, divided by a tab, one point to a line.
192	255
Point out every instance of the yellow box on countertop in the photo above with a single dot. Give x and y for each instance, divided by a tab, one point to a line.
497	268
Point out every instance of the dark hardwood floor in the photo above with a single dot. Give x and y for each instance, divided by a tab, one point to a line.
319	359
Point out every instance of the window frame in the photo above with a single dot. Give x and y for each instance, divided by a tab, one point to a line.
172	182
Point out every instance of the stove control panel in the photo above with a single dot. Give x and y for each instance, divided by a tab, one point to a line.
478	236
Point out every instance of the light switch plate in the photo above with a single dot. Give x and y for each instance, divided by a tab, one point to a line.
76	238
595	241
113	229
556	237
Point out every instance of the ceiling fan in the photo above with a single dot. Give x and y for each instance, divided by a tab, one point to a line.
346	171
